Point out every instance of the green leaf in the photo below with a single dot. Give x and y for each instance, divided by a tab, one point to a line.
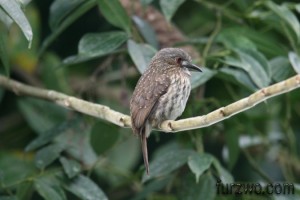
198	79
198	163
78	147
94	45
252	61
232	39
288	16
41	115
204	189
153	186
84	188
13	168
71	18
53	76
265	42
280	68
146	2
13	9
115	14
247	38
60	9
25	190
5	18
261	59
242	5
224	175
3	52
49	188
141	54
232	141
168	147
232	61
50	134
47	155
103	136
240	76
297	7
167	163
11	197
71	167
147	31
295	61
286	196
97	44
170	7
129	145
252	65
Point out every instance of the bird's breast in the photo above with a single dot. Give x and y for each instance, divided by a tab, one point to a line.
172	104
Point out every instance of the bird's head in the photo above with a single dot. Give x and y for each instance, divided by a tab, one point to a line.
174	58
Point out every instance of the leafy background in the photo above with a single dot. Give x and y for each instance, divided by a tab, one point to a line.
96	49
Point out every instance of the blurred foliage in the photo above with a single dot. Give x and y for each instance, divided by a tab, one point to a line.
94	50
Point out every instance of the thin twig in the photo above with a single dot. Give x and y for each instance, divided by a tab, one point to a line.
212	37
93	109
105	113
234	108
223	9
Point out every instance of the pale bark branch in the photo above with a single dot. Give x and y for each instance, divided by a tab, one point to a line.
73	103
105	113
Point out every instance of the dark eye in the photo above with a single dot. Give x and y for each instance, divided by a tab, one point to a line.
178	60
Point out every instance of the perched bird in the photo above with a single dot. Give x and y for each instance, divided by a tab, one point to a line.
161	93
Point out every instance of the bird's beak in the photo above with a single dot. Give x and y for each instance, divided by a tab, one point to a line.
191	66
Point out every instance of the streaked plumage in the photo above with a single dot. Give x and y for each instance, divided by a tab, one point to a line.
161	93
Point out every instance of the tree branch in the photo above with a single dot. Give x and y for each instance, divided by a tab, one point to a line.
92	109
105	113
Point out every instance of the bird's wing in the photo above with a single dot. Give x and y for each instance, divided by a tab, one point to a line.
145	97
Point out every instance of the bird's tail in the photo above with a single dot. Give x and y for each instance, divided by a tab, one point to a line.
143	137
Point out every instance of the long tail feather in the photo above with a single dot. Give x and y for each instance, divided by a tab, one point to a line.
145	151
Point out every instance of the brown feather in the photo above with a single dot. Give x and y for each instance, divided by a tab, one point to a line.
143	138
142	105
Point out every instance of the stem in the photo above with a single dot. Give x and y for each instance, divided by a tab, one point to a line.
222	8
212	37
122	120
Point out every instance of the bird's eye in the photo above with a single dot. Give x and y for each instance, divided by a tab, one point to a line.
178	60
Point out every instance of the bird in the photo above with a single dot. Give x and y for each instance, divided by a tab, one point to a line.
161	93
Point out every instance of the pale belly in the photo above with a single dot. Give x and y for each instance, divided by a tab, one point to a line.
172	104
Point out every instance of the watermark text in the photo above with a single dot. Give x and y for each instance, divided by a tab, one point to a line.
254	188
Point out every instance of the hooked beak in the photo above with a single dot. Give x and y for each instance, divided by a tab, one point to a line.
191	66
